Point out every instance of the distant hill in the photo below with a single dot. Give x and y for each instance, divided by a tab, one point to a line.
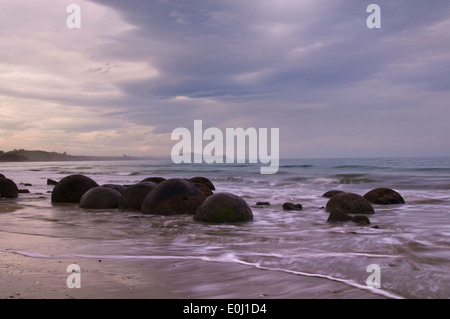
43	156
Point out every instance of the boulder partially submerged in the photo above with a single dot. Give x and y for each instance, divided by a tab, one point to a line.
338	215
172	197
349	203
384	196
71	188
134	195
100	198
224	208
8	188
331	193
292	206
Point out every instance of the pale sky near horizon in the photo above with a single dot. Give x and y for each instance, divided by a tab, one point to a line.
136	70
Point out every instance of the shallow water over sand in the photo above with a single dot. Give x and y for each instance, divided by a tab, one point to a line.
411	244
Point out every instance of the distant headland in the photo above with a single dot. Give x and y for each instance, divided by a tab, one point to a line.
22	155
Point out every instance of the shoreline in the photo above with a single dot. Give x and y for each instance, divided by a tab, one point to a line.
23	277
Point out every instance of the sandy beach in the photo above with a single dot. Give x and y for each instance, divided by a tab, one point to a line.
280	254
45	278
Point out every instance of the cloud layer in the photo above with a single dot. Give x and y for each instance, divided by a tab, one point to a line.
136	70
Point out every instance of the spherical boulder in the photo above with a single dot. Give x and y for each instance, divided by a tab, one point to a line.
8	188
384	196
51	182
173	197
204	188
100	198
350	203
71	188
331	193
224	208
134	195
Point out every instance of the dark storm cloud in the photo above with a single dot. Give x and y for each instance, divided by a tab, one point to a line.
312	68
260	57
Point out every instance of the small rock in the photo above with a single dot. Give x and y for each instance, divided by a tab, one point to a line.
8	188
262	203
292	206
173	197
51	182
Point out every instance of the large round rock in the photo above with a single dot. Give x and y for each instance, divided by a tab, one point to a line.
71	188
350	203
224	208
173	197
384	196
156	180
100	198
134	195
8	188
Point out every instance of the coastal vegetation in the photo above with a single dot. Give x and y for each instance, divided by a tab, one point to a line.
21	155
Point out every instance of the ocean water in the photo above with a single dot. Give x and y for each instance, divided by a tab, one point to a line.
410	243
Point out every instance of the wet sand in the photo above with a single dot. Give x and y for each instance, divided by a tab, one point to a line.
31	277
45	278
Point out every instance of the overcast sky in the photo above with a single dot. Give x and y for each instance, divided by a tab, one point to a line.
138	69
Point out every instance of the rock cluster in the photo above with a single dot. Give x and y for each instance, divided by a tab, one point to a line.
344	206
195	196
157	196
